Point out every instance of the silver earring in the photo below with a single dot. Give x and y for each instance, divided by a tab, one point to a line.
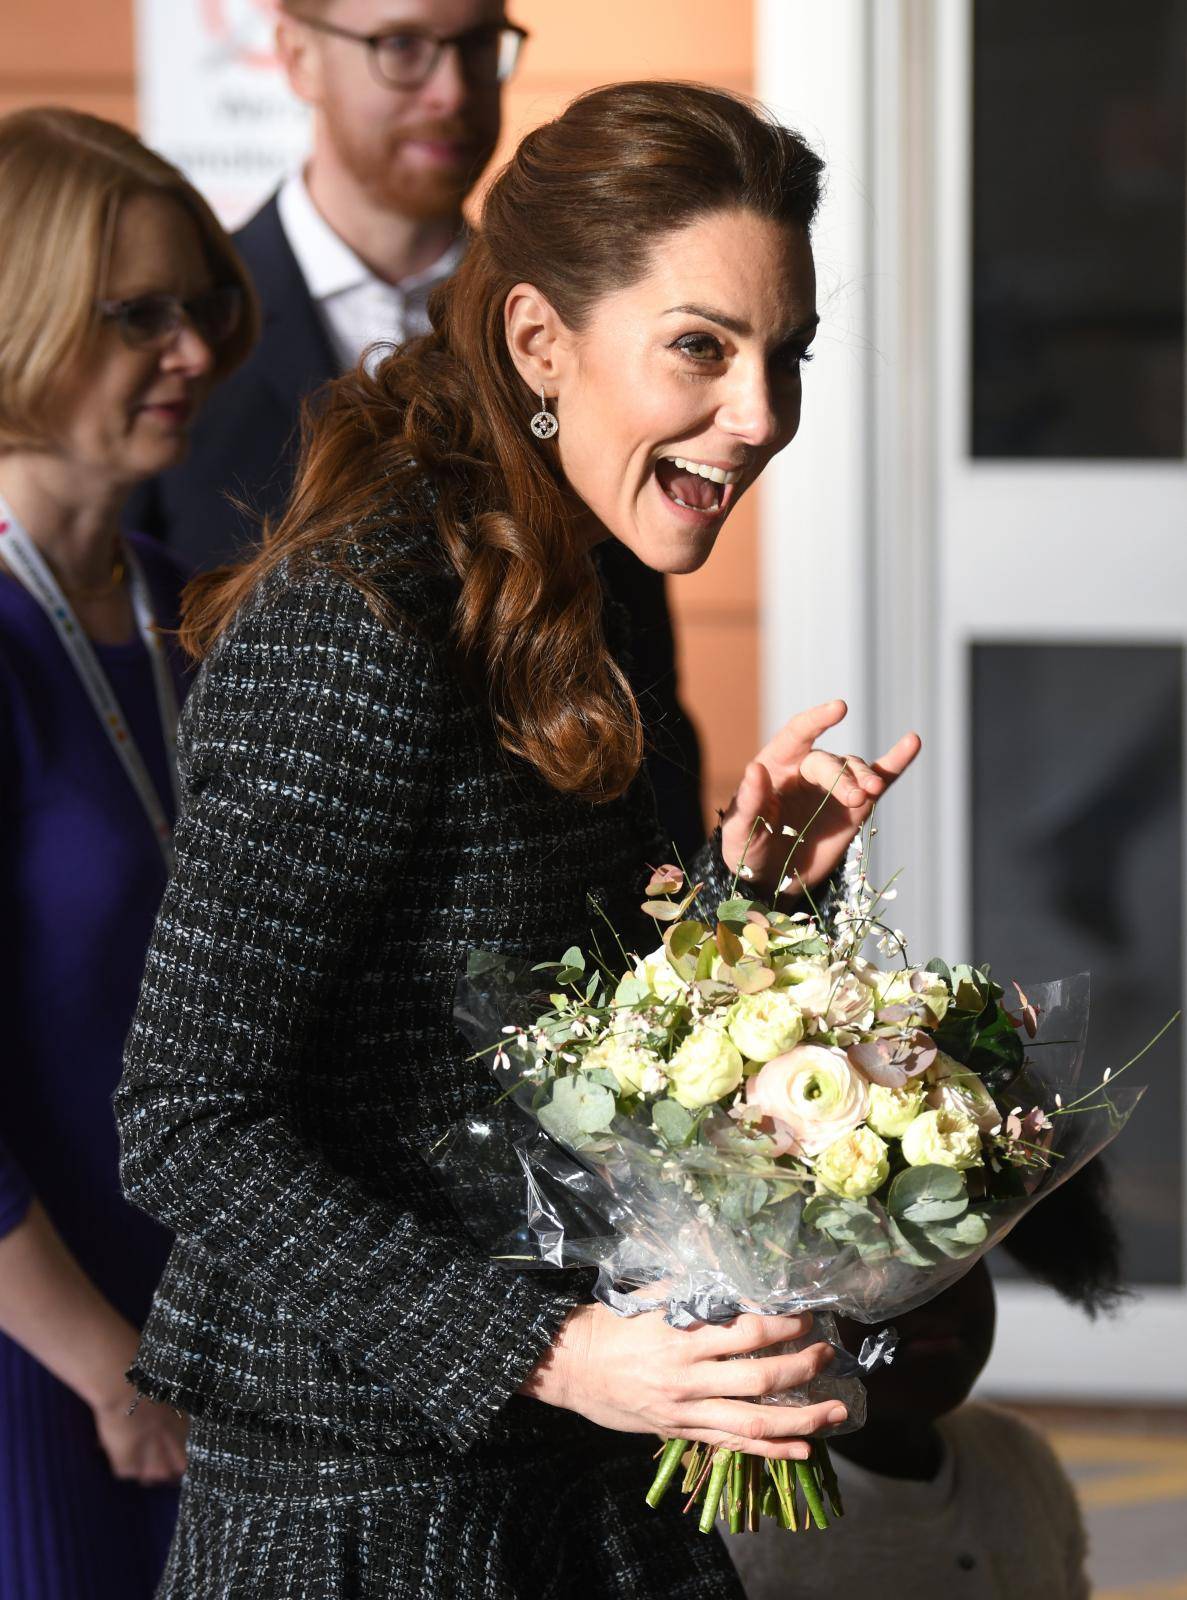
544	424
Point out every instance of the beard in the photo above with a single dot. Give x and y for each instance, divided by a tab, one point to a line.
421	193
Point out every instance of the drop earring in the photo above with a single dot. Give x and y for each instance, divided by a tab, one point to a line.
544	424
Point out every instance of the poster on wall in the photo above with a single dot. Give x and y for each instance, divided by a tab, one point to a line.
213	100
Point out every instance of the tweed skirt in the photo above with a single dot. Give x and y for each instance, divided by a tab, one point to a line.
272	1516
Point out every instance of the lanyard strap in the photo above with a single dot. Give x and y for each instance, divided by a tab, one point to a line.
29	567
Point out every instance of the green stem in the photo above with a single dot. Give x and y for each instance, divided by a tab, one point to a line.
737	1489
673	1452
698	1487
755	1476
781	1473
829	1473
805	1473
717	1477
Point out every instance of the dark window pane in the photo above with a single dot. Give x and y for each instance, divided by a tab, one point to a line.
1079	227
1078	866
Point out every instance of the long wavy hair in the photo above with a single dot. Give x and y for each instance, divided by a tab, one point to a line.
576	212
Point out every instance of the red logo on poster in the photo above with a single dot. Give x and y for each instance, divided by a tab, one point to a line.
243	29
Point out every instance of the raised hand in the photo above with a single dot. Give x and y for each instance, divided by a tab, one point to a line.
788	784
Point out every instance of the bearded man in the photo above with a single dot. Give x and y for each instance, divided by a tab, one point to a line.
406	101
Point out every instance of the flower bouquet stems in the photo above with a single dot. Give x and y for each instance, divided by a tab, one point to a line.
741	1488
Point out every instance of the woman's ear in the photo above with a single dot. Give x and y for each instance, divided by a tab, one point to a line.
536	338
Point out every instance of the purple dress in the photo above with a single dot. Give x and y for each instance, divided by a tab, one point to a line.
81	876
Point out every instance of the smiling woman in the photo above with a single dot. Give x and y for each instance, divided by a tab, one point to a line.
413	735
603	243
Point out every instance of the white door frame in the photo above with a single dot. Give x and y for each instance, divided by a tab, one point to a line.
856	507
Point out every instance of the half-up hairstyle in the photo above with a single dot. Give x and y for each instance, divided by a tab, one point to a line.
576	212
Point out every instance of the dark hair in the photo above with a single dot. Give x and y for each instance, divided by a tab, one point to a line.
576	212
1070	1241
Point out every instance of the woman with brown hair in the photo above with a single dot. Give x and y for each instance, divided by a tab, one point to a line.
121	301
413	735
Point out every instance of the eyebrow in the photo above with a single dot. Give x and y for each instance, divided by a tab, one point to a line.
733	325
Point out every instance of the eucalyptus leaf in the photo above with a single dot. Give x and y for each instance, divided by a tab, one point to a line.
941	968
631	991
906	1247
672	1120
662	910
683	939
578	1107
912	1245
743	1198
922	1186
960	1238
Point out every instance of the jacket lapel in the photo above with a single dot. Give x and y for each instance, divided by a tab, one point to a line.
294	355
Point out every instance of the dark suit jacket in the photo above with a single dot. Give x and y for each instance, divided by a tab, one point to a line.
244	449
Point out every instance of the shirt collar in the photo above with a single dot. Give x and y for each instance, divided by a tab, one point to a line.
328	264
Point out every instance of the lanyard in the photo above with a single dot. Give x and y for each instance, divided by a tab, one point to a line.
29	567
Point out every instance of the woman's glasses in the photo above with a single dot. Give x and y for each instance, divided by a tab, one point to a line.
151	321
406	58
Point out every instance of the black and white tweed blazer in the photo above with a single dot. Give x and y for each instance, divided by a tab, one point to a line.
349	830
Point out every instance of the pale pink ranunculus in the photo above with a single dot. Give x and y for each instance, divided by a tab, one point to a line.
811	1094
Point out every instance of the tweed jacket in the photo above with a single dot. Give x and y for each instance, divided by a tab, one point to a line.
350	829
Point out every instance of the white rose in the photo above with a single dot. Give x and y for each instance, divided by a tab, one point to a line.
892	1111
807	978
834	996
657	972
813	1092
942	1139
634	1065
854	1165
852	1003
955	1088
765	1025
925	993
705	1068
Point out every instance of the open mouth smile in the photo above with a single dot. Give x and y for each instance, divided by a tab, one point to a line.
697	486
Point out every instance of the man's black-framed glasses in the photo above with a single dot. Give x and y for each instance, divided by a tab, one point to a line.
406	58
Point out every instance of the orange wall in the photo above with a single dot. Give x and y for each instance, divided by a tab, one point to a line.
80	53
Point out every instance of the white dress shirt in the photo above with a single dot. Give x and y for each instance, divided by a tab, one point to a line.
355	306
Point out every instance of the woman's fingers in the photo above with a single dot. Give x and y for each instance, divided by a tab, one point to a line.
799	733
745	1334
899	757
761	1430
835	777
853	781
761	1376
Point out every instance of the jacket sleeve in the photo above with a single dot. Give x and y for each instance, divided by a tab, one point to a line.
309	750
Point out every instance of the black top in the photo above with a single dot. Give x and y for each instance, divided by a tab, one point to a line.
243	453
350	830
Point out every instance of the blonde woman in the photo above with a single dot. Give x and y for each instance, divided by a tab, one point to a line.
121	302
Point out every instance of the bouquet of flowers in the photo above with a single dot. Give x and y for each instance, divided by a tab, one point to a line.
752	1116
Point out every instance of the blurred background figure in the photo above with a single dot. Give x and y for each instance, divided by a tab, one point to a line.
406	106
946	1494
121	303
